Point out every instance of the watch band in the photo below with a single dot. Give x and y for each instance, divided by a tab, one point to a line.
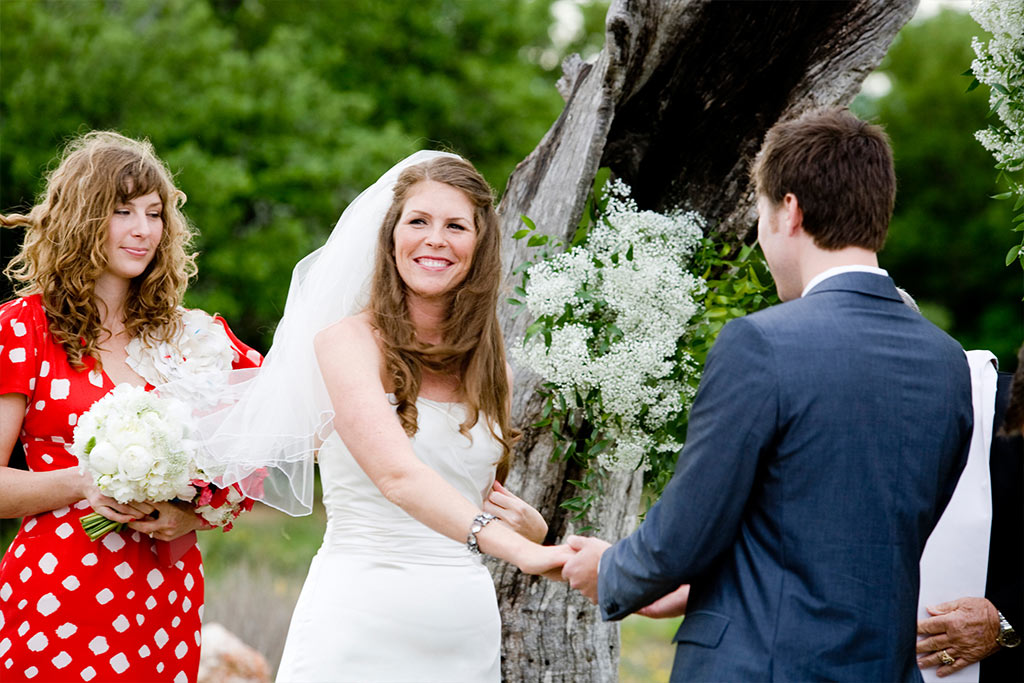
1007	636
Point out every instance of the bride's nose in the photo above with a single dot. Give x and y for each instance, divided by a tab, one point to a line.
436	236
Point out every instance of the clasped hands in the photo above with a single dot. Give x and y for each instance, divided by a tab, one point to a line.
164	521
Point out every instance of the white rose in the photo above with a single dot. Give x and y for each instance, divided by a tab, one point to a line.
136	462
103	458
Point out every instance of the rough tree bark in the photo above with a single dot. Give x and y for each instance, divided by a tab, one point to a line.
676	104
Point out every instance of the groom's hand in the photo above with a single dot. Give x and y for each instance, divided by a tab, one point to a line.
581	569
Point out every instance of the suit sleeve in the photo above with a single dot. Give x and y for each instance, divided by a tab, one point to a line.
732	424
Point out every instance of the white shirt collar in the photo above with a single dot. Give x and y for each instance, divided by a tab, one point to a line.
839	270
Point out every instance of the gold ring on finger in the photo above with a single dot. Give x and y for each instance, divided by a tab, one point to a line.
945	658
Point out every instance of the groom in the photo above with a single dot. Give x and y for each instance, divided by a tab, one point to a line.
825	440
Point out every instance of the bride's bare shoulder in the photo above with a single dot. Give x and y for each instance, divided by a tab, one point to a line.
354	333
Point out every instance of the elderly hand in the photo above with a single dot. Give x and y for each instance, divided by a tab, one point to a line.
965	629
172	520
581	569
516	512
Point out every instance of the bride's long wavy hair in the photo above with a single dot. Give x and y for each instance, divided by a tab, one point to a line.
64	250
472	348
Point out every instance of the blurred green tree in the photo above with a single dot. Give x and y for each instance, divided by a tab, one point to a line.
947	239
275	114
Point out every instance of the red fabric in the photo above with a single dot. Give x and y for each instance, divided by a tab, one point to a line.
72	609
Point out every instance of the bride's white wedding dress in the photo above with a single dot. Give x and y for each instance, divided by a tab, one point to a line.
386	598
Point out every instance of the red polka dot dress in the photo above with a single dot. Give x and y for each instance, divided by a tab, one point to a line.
72	609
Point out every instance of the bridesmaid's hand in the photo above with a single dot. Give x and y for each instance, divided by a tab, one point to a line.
516	512
171	521
107	506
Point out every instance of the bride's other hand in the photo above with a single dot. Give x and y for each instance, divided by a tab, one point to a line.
171	521
668	606
516	512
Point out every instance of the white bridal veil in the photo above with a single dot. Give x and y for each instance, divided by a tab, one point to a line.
271	420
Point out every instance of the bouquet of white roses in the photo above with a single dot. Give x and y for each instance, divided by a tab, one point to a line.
136	447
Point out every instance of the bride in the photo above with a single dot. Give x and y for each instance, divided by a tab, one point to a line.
414	382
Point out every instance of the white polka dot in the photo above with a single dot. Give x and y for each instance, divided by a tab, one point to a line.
30	524
3	620
5	645
144	651
181	677
25	574
113	542
16	355
181	565
154	578
189	582
160	638
37	643
175	621
199	638
8	663
98	645
65	530
40	405
48	563
171	597
202	572
104	596
71	583
66	630
81	505
90	559
61	660
121	624
124	570
201	612
181	650
186	605
47	458
139	619
88	673
23	629
5	592
136	536
19	551
150	602
119	663
72	419
131	594
60	512
31	382
59	389
96	378
160	668
19	328
57	439
44	369
47	604
21	605
31	672
252	355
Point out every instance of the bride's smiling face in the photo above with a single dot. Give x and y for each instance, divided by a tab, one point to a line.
435	237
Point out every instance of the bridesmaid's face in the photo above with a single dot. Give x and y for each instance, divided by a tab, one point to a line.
133	235
434	238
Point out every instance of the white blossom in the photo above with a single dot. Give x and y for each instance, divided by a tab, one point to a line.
1000	62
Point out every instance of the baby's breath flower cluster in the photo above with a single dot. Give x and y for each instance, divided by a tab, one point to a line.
999	64
612	315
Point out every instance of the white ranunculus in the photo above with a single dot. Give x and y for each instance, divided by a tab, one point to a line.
103	459
136	462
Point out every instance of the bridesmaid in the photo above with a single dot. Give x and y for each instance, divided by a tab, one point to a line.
101	274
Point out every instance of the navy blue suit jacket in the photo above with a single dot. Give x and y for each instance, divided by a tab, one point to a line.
825	440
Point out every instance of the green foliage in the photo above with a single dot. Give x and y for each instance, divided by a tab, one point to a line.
273	115
945	230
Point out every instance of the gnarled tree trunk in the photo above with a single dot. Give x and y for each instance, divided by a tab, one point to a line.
676	105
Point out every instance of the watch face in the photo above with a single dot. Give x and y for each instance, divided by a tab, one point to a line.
1009	638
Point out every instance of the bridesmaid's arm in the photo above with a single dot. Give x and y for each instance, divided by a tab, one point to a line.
25	493
350	362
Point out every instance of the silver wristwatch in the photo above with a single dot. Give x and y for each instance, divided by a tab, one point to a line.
1007	636
479	522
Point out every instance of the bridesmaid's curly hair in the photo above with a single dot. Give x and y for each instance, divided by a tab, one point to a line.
66	231
472	348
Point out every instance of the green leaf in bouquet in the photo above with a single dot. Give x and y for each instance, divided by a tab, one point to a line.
90	444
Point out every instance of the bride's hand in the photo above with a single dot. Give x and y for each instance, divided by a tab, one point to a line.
516	512
171	521
545	560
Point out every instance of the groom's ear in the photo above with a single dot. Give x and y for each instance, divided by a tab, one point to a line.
793	216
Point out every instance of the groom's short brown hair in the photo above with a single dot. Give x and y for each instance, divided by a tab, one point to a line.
839	168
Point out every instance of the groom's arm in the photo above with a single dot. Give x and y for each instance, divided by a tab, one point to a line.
732	421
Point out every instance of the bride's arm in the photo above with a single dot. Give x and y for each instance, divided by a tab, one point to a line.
350	363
